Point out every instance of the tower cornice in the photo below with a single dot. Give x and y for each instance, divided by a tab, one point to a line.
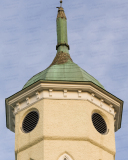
81	91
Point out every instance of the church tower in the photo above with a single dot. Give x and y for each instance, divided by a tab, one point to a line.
63	113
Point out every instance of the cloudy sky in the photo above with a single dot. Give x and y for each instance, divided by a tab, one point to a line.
98	39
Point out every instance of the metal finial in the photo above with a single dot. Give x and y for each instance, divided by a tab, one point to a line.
61	3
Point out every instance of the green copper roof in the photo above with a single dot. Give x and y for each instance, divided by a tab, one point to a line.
62	67
63	72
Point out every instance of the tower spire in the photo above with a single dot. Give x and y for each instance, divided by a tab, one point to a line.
62	46
61	24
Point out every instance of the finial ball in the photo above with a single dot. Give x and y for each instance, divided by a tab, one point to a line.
61	1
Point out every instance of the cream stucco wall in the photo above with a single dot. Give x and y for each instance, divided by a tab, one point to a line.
64	126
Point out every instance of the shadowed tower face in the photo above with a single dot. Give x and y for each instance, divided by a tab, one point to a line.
63	113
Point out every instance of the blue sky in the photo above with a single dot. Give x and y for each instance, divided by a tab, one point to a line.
98	39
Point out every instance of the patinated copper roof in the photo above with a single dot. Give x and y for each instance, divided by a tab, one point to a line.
62	68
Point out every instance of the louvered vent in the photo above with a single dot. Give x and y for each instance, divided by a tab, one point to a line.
30	121
99	123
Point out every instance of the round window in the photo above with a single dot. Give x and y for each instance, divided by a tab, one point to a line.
30	121
99	123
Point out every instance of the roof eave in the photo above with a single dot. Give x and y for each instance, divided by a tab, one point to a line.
9	109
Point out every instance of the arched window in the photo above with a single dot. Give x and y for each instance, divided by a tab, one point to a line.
65	157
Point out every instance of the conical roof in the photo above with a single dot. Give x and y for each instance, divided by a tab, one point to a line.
62	67
68	71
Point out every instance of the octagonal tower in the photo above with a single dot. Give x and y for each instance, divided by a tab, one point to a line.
63	113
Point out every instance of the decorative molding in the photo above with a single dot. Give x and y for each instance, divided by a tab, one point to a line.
58	95
37	95
43	90
65	92
50	92
101	102
111	106
17	108
28	100
92	97
79	93
46	86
